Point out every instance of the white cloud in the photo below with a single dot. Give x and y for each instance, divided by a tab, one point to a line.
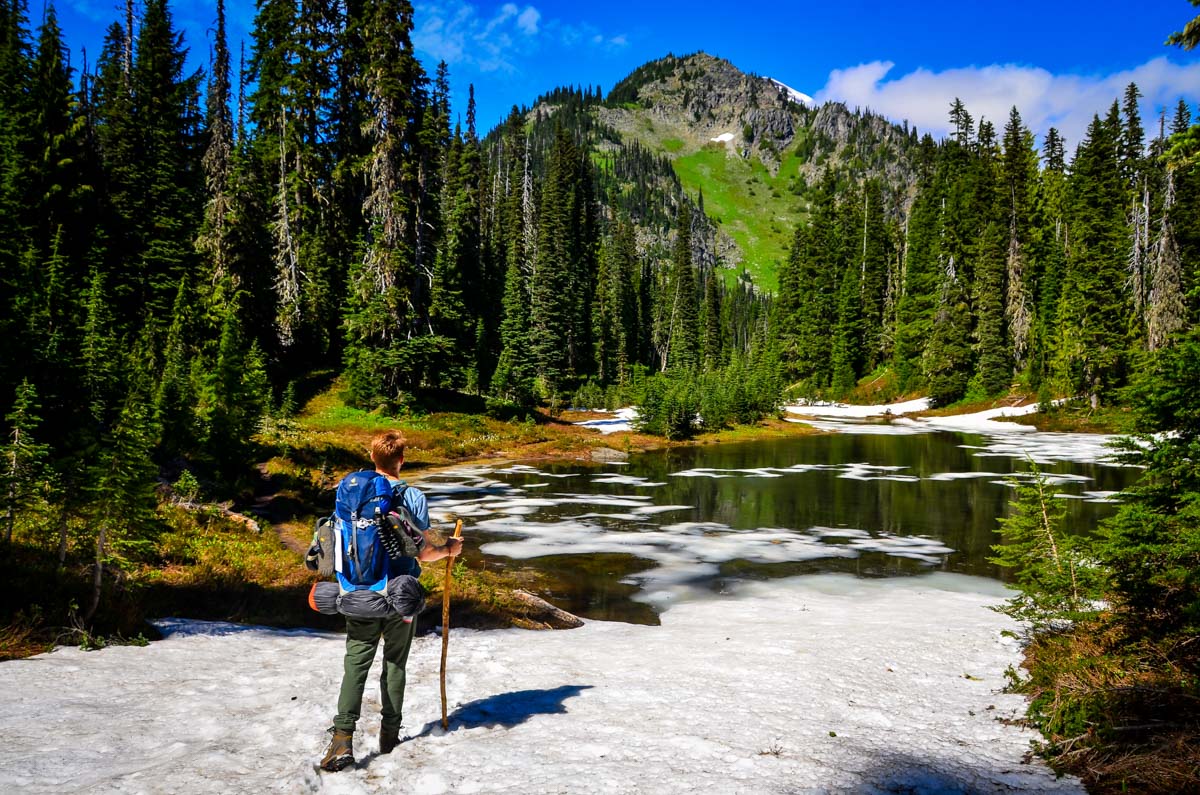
456	32
528	20
1044	99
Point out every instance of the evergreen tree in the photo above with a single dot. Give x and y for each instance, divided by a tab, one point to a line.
291	69
1167	310
15	126
455	304
175	398
1018	186
1182	118
216	241
808	290
1152	546
917	306
713	357
684	325
1092	310
166	207
1133	136
847	348
993	367
25	475
122	480
1049	245
625	273
947	361
551	302
100	363
513	379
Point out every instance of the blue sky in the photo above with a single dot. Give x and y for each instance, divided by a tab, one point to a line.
1059	62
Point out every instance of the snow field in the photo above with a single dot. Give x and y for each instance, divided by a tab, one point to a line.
742	693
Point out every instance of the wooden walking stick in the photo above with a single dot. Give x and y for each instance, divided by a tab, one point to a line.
446	621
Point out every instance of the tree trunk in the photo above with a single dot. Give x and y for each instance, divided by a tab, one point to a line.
98	574
62	539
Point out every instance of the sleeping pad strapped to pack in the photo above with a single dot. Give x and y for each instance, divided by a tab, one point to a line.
370	527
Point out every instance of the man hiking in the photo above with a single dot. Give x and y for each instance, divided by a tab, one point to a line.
401	504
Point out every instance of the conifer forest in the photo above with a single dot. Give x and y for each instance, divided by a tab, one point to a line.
181	252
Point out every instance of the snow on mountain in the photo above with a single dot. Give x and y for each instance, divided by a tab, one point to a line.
793	94
816	684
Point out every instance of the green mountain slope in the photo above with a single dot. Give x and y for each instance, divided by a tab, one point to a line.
740	144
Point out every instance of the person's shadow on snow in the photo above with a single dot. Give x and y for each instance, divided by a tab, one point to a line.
508	709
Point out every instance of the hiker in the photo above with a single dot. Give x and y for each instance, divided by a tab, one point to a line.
395	627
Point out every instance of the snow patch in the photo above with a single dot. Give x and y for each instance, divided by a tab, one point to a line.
1006	439
723	138
793	94
846	411
816	684
622	421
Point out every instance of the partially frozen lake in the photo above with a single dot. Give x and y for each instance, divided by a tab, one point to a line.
622	541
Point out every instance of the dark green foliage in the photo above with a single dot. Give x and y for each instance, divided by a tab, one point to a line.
1057	579
947	361
1153	544
1092	310
26	480
552	300
683	324
669	406
122	481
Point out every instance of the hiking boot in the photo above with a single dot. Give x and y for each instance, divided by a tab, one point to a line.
388	740
340	753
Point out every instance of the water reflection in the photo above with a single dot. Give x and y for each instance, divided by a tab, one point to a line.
668	522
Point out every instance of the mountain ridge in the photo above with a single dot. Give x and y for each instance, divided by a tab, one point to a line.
747	151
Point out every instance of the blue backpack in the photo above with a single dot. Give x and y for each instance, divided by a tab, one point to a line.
360	530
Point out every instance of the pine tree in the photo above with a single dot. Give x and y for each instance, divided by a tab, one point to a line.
551	302
917	306
684	346
1049	243
99	359
1167	312
1152	546
713	348
808	289
233	397
25	475
513	379
175	398
54	205
1182	118
291	68
122	480
1092	310
387	313
847	331
1019	181
992	363
455	302
215	240
947	360
167	179
1133	137
15	127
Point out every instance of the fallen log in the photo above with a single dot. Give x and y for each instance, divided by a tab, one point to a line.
543	613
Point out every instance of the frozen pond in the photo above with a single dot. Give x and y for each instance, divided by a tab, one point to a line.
622	541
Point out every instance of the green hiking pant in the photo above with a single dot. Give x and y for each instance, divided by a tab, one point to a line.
362	638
